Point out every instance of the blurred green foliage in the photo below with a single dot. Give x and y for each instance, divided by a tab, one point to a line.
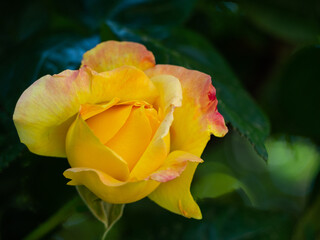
264	58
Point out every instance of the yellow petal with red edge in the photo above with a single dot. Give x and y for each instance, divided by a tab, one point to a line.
133	138
112	54
107	124
109	189
175	195
127	83
198	117
156	152
174	165
46	109
84	150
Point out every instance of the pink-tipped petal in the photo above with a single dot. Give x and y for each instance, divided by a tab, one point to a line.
112	54
197	118
174	165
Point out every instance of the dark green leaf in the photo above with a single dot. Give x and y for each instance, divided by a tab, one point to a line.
223	218
308	226
296	21
151	13
51	223
292	100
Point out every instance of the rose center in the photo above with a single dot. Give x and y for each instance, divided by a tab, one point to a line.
127	129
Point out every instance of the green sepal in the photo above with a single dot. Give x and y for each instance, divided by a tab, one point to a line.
107	213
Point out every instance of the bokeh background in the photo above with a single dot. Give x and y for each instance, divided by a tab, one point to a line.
261	181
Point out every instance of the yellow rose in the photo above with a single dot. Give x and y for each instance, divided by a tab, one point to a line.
128	127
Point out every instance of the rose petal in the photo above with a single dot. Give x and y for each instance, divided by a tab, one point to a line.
153	118
107	124
127	83
156	152
170	96
175	195
47	108
170	92
112	54
89	110
133	138
198	117
109	189
174	165
84	150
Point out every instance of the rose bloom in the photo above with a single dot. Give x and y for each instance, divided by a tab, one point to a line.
129	128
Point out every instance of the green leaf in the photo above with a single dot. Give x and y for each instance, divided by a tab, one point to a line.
155	12
61	215
223	218
215	185
106	213
188	49
295	21
292	99
293	165
308	226
215	179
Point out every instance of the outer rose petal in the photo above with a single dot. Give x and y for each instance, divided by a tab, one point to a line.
109	189
47	108
111	54
127	83
174	165
175	195
190	131
198	117
84	150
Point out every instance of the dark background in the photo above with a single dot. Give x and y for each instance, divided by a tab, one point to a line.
264	57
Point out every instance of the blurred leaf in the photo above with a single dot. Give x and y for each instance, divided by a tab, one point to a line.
192	51
151	13
308	226
60	216
294	21
237	222
215	179
138	13
285	182
80	225
223	218
292	100
215	185
33	18
293	164
106	213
